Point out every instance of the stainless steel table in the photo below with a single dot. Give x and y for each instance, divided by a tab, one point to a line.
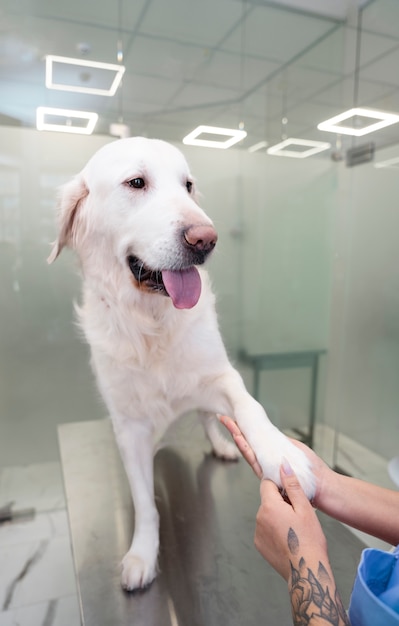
210	572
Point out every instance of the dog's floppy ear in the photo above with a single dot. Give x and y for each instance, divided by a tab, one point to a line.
70	198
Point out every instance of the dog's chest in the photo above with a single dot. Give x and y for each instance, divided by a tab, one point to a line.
164	350
164	360
157	378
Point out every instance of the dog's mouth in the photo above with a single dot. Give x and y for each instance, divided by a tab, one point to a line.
182	286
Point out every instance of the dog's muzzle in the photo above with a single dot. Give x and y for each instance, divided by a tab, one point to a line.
182	283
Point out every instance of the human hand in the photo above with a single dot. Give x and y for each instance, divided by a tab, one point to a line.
288	531
324	475
242	444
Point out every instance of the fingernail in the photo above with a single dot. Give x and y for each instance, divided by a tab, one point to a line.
286	467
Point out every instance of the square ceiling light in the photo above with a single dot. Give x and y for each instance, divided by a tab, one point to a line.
389	163
78	75
304	148
261	145
65	120
233	136
359	126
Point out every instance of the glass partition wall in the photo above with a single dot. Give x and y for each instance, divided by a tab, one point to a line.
306	268
306	265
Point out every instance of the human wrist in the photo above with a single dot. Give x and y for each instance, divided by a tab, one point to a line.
310	553
328	496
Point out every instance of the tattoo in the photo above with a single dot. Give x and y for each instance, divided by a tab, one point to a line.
293	543
314	599
323	575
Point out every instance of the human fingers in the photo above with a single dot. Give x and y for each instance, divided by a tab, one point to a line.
274	519
325	476
270	495
289	492
230	424
292	486
282	525
242	444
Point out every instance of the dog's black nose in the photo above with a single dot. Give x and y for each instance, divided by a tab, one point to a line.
201	238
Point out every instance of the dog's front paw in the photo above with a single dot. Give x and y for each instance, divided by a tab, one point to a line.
301	467
136	572
279	449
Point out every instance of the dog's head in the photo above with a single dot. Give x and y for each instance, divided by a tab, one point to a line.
135	204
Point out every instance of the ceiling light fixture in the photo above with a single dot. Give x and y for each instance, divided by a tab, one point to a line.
383	119
234	136
258	146
313	147
97	66
60	120
389	163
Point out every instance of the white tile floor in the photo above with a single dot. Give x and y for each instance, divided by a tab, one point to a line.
37	584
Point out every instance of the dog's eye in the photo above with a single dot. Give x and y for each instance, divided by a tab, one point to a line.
137	183
189	186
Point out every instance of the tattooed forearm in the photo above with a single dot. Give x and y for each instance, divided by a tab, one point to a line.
314	597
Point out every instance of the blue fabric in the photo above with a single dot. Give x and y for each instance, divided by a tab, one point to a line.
375	595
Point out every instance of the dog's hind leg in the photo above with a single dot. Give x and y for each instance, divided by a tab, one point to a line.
135	441
221	447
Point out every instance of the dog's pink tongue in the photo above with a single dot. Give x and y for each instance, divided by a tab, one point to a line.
184	287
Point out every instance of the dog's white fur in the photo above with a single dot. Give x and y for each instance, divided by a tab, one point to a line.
153	361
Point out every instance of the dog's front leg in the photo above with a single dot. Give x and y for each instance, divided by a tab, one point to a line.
270	445
136	445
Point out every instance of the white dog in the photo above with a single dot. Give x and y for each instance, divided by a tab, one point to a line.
148	315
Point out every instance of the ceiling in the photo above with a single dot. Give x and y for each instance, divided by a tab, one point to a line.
213	62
